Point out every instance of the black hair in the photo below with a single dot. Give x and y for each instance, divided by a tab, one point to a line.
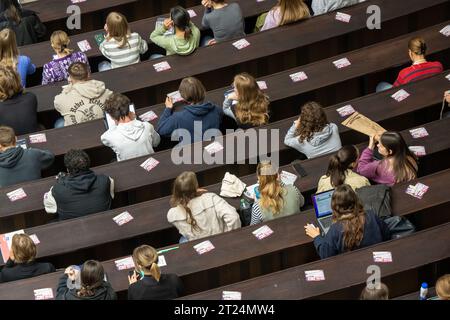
76	161
181	20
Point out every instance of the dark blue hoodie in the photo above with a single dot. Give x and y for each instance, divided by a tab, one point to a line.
208	114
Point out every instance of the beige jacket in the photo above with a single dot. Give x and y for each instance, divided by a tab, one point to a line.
212	213
353	179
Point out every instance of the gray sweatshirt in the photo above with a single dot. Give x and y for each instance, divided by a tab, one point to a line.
226	23
321	143
324	6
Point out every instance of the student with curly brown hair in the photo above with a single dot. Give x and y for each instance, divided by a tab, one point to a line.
312	134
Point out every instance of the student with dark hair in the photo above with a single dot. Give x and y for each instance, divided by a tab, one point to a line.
196	114
83	99
376	293
130	138
21	263
147	282
352	227
79	192
340	171
18	165
93	284
399	163
186	37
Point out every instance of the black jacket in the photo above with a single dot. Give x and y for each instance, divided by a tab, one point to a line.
104	292
168	287
17	271
29	30
20	113
18	165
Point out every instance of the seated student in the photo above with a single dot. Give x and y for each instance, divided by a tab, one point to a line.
285	12
312	134
340	171
399	163
247	104
443	287
420	68
18	109
121	46
26	25
130	138
21	263
352	228
9	56
185	39
58	69
197	213
224	19
93	284
276	199
18	165
381	293
196	113
83	99
79	192
4	5
324	6
147	282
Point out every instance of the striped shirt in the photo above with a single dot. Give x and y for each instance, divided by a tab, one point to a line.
129	54
418	72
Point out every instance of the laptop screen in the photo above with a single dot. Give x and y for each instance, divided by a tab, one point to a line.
322	203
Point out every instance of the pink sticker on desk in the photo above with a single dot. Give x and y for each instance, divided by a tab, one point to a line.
38	138
35	239
123	218
150	164
124	264
298	76
342	63
16	195
400	95
315	275
43	294
262	232
192	13
262	85
214	148
148	116
204	247
419	151
161	66
446	31
382	256
345	111
419	133
84	45
417	191
241	44
343	17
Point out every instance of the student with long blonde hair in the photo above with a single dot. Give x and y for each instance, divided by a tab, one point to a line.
197	213
121	46
147	282
247	104
285	12
57	69
275	200
9	56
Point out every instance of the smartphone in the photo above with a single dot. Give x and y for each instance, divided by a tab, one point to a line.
300	170
133	272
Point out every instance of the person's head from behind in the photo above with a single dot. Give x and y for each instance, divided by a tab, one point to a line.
118	107
348	210
345	159
181	20
76	161
145	260
192	90
117	28
392	145
292	10
78	72
60	41
417	48
252	104
270	189
23	249
379	291
443	287
10	84
185	188
92	276
8	48
312	119
11	10
7	138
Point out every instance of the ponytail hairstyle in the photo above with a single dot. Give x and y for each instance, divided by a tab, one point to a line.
185	188
181	20
312	119
405	162
418	46
60	42
11	10
146	260
292	11
118	29
270	188
8	48
92	276
340	163
348	210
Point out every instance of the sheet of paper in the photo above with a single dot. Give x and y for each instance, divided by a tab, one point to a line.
16	195
342	63
37	138
446	31
35	239
84	45
382	256
400	95
241	44
250	191
262	232
344	17
123	218
298	76
419	133
362	124
161	66
43	294
288	178
418	150
204	247
214	147
162	261
176	96
315	275
417	191
262	85
150	164
345	111
124	264
148	116
231	295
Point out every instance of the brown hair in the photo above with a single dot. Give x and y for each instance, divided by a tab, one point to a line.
312	119
10	84
79	71
443	287
146	260
252	104
292	10
7	136
339	164
118	28
60	42
375	294
348	210
118	106
270	188
192	90
92	276
12	12
181	20
8	48
185	188
417	46
23	248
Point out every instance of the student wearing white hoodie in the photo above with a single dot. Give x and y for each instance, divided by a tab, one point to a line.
323	6
130	138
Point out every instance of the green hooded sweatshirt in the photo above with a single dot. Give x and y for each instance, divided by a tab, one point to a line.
174	45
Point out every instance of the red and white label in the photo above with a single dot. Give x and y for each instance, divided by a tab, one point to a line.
43	294
150	164
298	76
161	66
342	63
400	95
343	17
262	232
123	218
124	264
446	31
262	85
204	247
345	111
382	256
241	44
16	195
148	116
38	138
419	133
314	275
214	147
84	45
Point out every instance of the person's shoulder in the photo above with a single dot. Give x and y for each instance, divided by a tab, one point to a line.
436	64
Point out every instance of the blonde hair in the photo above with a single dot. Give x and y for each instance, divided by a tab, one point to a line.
118	28
292	10
146	260
443	287
253	105
418	46
10	84
23	248
60	41
8	48
270	188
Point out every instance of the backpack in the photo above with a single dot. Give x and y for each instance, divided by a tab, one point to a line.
376	198
399	226
245	215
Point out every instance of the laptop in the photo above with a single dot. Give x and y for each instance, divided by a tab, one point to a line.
322	207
